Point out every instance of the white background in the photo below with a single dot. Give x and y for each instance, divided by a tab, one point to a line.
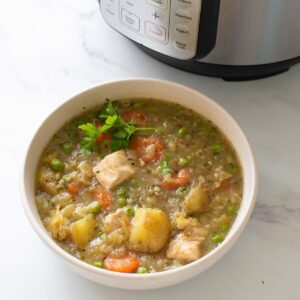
49	50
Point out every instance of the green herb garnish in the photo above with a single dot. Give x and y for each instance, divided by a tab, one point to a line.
114	123
89	142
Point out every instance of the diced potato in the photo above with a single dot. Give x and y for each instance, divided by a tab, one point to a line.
68	210
196	201
82	231
58	226
150	230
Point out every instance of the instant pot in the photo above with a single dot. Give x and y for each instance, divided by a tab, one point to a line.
233	39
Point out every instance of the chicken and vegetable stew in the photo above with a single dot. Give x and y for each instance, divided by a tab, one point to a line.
138	186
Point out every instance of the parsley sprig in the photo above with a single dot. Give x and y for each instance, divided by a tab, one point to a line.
89	142
112	122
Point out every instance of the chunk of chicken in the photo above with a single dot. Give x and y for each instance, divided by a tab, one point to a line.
49	181
184	250
187	245
116	228
62	199
117	220
114	169
196	201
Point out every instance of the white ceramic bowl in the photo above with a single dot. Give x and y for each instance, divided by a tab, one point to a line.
144	88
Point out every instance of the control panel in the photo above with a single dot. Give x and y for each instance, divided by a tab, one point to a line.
170	27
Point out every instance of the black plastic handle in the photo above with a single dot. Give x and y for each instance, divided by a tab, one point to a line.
208	27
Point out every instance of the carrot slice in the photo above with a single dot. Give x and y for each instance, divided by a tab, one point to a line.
127	264
182	178
73	188
135	117
103	196
149	149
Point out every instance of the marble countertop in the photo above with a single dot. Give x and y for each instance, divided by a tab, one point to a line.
49	50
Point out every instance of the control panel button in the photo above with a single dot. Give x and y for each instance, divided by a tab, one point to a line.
155	31
182	30
183	15
163	4
180	45
184	2
130	19
157	16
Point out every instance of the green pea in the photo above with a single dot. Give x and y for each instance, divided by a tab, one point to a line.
138	105
225	227
56	165
182	132
130	212
122	201
183	161
66	148
232	168
69	177
98	264
217	238
122	192
142	270
94	207
216	148
232	209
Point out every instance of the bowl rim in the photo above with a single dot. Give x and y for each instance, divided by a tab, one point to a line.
222	248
